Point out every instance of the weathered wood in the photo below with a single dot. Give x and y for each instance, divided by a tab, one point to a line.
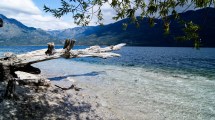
69	44
23	62
51	49
93	51
1	22
7	72
12	63
31	79
10	90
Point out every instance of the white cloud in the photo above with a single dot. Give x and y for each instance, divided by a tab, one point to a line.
19	6
108	14
29	14
44	22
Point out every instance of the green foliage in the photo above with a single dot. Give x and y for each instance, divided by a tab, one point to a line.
166	27
151	22
84	10
124	26
175	14
191	33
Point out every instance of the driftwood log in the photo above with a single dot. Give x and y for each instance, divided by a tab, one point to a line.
12	63
51	49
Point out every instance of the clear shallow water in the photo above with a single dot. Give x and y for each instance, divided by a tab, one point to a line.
135	93
146	82
164	59
171	60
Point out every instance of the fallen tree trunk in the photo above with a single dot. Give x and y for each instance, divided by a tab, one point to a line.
12	63
22	62
93	51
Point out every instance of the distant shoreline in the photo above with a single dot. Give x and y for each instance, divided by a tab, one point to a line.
107	45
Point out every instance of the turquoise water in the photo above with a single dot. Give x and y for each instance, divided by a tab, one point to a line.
170	60
165	59
152	83
136	93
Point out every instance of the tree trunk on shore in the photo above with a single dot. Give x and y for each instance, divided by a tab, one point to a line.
51	49
1	22
12	63
10	90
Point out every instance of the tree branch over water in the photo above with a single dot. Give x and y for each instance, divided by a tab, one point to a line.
12	63
84	10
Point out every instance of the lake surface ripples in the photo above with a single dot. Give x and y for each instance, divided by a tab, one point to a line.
146	82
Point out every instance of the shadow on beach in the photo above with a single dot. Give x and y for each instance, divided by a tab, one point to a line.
47	103
90	74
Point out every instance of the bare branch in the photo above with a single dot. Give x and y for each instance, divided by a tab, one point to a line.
93	51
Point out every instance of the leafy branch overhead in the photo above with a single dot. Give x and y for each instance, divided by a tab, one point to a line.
84	10
191	33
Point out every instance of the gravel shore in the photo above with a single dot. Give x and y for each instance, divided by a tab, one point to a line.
47	103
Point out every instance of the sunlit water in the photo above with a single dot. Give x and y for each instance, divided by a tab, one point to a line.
146	82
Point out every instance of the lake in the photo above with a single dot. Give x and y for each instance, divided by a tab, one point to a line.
145	82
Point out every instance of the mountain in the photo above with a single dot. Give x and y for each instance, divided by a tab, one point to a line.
68	33
14	32
145	35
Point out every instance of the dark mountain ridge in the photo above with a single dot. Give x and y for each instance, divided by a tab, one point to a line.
146	35
15	33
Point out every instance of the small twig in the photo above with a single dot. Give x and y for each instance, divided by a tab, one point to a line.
71	87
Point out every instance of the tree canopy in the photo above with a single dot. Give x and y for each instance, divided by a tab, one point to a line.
84	10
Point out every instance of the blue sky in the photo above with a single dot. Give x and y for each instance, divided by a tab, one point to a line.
40	3
30	13
51	4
